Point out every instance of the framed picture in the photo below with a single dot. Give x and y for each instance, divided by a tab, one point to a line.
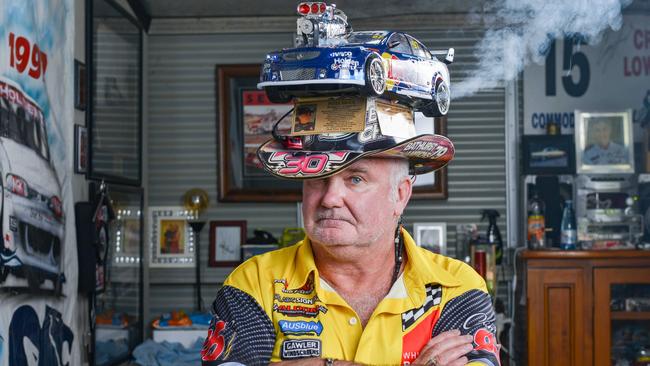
80	149
432	236
251	250
431	185
245	120
604	142
548	155
226	240
171	241
80	85
126	229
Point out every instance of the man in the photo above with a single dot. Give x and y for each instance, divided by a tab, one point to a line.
357	290
604	150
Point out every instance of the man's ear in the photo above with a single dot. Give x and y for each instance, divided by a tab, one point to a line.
404	191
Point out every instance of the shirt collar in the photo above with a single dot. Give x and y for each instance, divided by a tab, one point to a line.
419	267
304	265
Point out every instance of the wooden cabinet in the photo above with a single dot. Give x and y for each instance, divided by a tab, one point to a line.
575	305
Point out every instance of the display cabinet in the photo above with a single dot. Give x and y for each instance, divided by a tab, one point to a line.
584	307
118	308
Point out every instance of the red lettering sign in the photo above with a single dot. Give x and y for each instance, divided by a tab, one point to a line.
22	54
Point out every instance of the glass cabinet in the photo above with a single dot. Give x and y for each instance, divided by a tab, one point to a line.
118	308
622	316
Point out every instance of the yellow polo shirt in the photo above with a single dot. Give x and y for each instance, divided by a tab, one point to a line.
275	307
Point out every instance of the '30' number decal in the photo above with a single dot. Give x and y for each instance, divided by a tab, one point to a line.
306	164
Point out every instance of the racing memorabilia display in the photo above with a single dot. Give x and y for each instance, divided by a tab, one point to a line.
548	154
246	119
226	239
604	142
329	58
172	238
38	257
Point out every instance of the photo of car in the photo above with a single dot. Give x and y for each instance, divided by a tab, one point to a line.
32	217
328	58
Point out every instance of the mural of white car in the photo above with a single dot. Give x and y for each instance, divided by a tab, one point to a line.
32	218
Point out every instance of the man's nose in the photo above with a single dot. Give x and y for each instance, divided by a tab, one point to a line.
334	192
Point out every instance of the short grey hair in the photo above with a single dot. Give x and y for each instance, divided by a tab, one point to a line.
399	171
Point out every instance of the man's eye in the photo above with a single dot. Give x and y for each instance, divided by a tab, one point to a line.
356	180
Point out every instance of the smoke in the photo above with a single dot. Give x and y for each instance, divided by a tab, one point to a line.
520	32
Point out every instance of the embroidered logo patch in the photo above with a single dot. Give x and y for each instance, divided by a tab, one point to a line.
299	348
300	327
299	310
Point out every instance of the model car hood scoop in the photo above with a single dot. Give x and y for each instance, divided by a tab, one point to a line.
300	55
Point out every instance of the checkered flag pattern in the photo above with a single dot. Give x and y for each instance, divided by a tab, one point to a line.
433	298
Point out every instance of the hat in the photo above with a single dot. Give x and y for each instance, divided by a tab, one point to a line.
346	129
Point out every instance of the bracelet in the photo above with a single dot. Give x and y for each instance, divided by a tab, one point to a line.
329	362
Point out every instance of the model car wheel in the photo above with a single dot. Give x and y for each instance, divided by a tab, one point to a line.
276	96
441	99
375	77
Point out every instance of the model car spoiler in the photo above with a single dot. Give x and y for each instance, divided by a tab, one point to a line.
449	55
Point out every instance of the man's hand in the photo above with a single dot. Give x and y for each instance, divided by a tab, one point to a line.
446	349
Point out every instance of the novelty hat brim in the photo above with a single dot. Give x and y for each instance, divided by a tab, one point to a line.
425	153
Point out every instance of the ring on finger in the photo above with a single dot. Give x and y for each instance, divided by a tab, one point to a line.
433	361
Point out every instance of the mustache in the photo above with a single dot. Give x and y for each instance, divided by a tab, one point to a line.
331	215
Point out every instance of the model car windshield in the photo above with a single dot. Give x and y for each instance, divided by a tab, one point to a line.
366	37
25	129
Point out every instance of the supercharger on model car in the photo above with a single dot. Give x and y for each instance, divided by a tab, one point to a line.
330	58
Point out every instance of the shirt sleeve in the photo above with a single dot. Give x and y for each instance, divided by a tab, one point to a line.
472	313
240	331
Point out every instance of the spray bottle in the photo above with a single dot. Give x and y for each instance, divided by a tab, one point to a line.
493	233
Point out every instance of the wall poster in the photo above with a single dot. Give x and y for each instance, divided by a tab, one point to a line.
38	257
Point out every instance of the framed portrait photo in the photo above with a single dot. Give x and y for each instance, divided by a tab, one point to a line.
245	120
431	236
548	154
171	241
226	240
604	142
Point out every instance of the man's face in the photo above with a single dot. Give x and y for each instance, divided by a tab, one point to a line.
602	133
353	207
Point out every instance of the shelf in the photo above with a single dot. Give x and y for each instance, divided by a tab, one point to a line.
584	254
630	315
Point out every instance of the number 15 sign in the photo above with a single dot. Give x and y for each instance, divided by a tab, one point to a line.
611	75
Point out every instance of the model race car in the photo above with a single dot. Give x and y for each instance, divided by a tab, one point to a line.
329	57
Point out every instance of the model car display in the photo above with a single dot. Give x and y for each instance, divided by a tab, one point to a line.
330	58
32	219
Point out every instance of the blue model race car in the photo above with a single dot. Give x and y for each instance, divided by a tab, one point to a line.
328	57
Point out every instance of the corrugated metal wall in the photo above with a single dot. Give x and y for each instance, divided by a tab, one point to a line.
182	148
